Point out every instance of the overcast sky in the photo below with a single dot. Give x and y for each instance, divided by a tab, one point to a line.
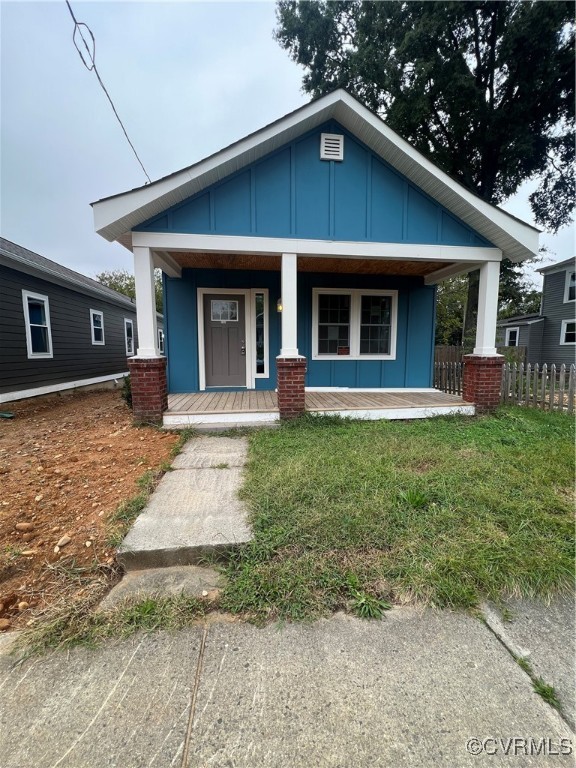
187	78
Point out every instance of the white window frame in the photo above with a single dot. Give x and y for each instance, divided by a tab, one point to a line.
567	286
507	336
37	297
128	322
94	312
563	334
355	322
253	293
161	338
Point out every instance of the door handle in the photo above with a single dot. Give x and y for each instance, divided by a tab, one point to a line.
242	348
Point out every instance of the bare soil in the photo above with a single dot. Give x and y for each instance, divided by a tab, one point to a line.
66	463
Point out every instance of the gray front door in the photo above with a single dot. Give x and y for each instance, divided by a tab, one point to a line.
225	340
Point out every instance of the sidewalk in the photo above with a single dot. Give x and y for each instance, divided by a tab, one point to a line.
409	690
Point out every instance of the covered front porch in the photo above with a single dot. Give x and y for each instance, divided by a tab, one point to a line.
210	410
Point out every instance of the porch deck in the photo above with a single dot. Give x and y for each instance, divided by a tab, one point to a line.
260	407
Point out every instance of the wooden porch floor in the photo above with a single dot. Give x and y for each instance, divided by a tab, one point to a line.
260	401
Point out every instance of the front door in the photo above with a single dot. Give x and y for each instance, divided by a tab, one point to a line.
225	340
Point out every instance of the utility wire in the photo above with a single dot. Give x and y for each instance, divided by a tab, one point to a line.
90	64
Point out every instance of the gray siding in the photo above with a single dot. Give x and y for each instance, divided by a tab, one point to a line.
75	357
554	309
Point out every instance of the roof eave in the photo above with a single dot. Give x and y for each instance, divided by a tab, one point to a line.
114	217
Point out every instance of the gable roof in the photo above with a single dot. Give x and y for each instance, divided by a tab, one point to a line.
32	263
560	265
116	216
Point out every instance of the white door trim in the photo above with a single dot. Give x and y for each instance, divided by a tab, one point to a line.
248	330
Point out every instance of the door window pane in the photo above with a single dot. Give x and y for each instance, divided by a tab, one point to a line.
260	361
333	323
224	311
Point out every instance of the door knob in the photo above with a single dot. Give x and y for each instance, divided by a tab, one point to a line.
242	348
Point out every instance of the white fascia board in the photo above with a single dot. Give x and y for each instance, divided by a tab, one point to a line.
23	394
452	270
109	213
272	246
115	216
456	197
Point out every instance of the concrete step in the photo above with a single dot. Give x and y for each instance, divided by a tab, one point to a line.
195	513
187	580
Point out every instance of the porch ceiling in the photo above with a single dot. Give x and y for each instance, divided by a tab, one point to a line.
307	264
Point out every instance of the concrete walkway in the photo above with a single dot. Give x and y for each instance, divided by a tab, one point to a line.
195	511
410	690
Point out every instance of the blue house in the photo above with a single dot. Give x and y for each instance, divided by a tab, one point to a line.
303	260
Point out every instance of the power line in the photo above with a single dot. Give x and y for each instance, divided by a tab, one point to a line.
90	65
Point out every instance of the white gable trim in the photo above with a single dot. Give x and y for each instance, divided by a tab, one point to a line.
115	216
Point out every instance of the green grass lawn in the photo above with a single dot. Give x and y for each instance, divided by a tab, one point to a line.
360	515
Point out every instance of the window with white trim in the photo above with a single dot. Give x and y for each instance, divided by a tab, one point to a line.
129	336
354	323
260	310
97	326
568	332
570	286
512	337
161	341
37	320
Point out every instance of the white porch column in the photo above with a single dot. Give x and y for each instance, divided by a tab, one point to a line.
289	346
145	303
487	309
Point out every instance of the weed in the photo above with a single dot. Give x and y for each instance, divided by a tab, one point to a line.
223	465
369	607
547	692
78	624
414	498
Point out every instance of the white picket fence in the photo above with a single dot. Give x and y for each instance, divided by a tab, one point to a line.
548	387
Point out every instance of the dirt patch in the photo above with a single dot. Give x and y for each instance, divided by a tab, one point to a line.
66	463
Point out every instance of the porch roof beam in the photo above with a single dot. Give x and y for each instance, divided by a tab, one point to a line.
167	264
273	246
452	270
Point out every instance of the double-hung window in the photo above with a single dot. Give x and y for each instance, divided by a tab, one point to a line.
97	326
512	335
129	336
570	286
355	323
37	319
568	332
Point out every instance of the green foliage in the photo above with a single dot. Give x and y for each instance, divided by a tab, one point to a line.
484	89
126	391
354	515
450	307
123	281
547	692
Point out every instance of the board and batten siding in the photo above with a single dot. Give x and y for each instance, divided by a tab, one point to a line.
555	310
415	336
74	356
293	193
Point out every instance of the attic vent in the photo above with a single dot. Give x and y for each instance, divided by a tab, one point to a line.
331	146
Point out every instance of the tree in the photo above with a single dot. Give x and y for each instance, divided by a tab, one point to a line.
123	281
450	309
483	88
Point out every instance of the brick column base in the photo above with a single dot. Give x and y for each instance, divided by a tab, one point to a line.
482	381
291	374
149	388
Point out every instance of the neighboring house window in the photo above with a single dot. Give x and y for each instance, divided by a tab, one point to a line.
129	336
512	336
354	323
568	332
570	287
37	319
161	340
97	326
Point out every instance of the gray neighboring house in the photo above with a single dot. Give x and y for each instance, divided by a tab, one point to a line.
59	329
550	336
